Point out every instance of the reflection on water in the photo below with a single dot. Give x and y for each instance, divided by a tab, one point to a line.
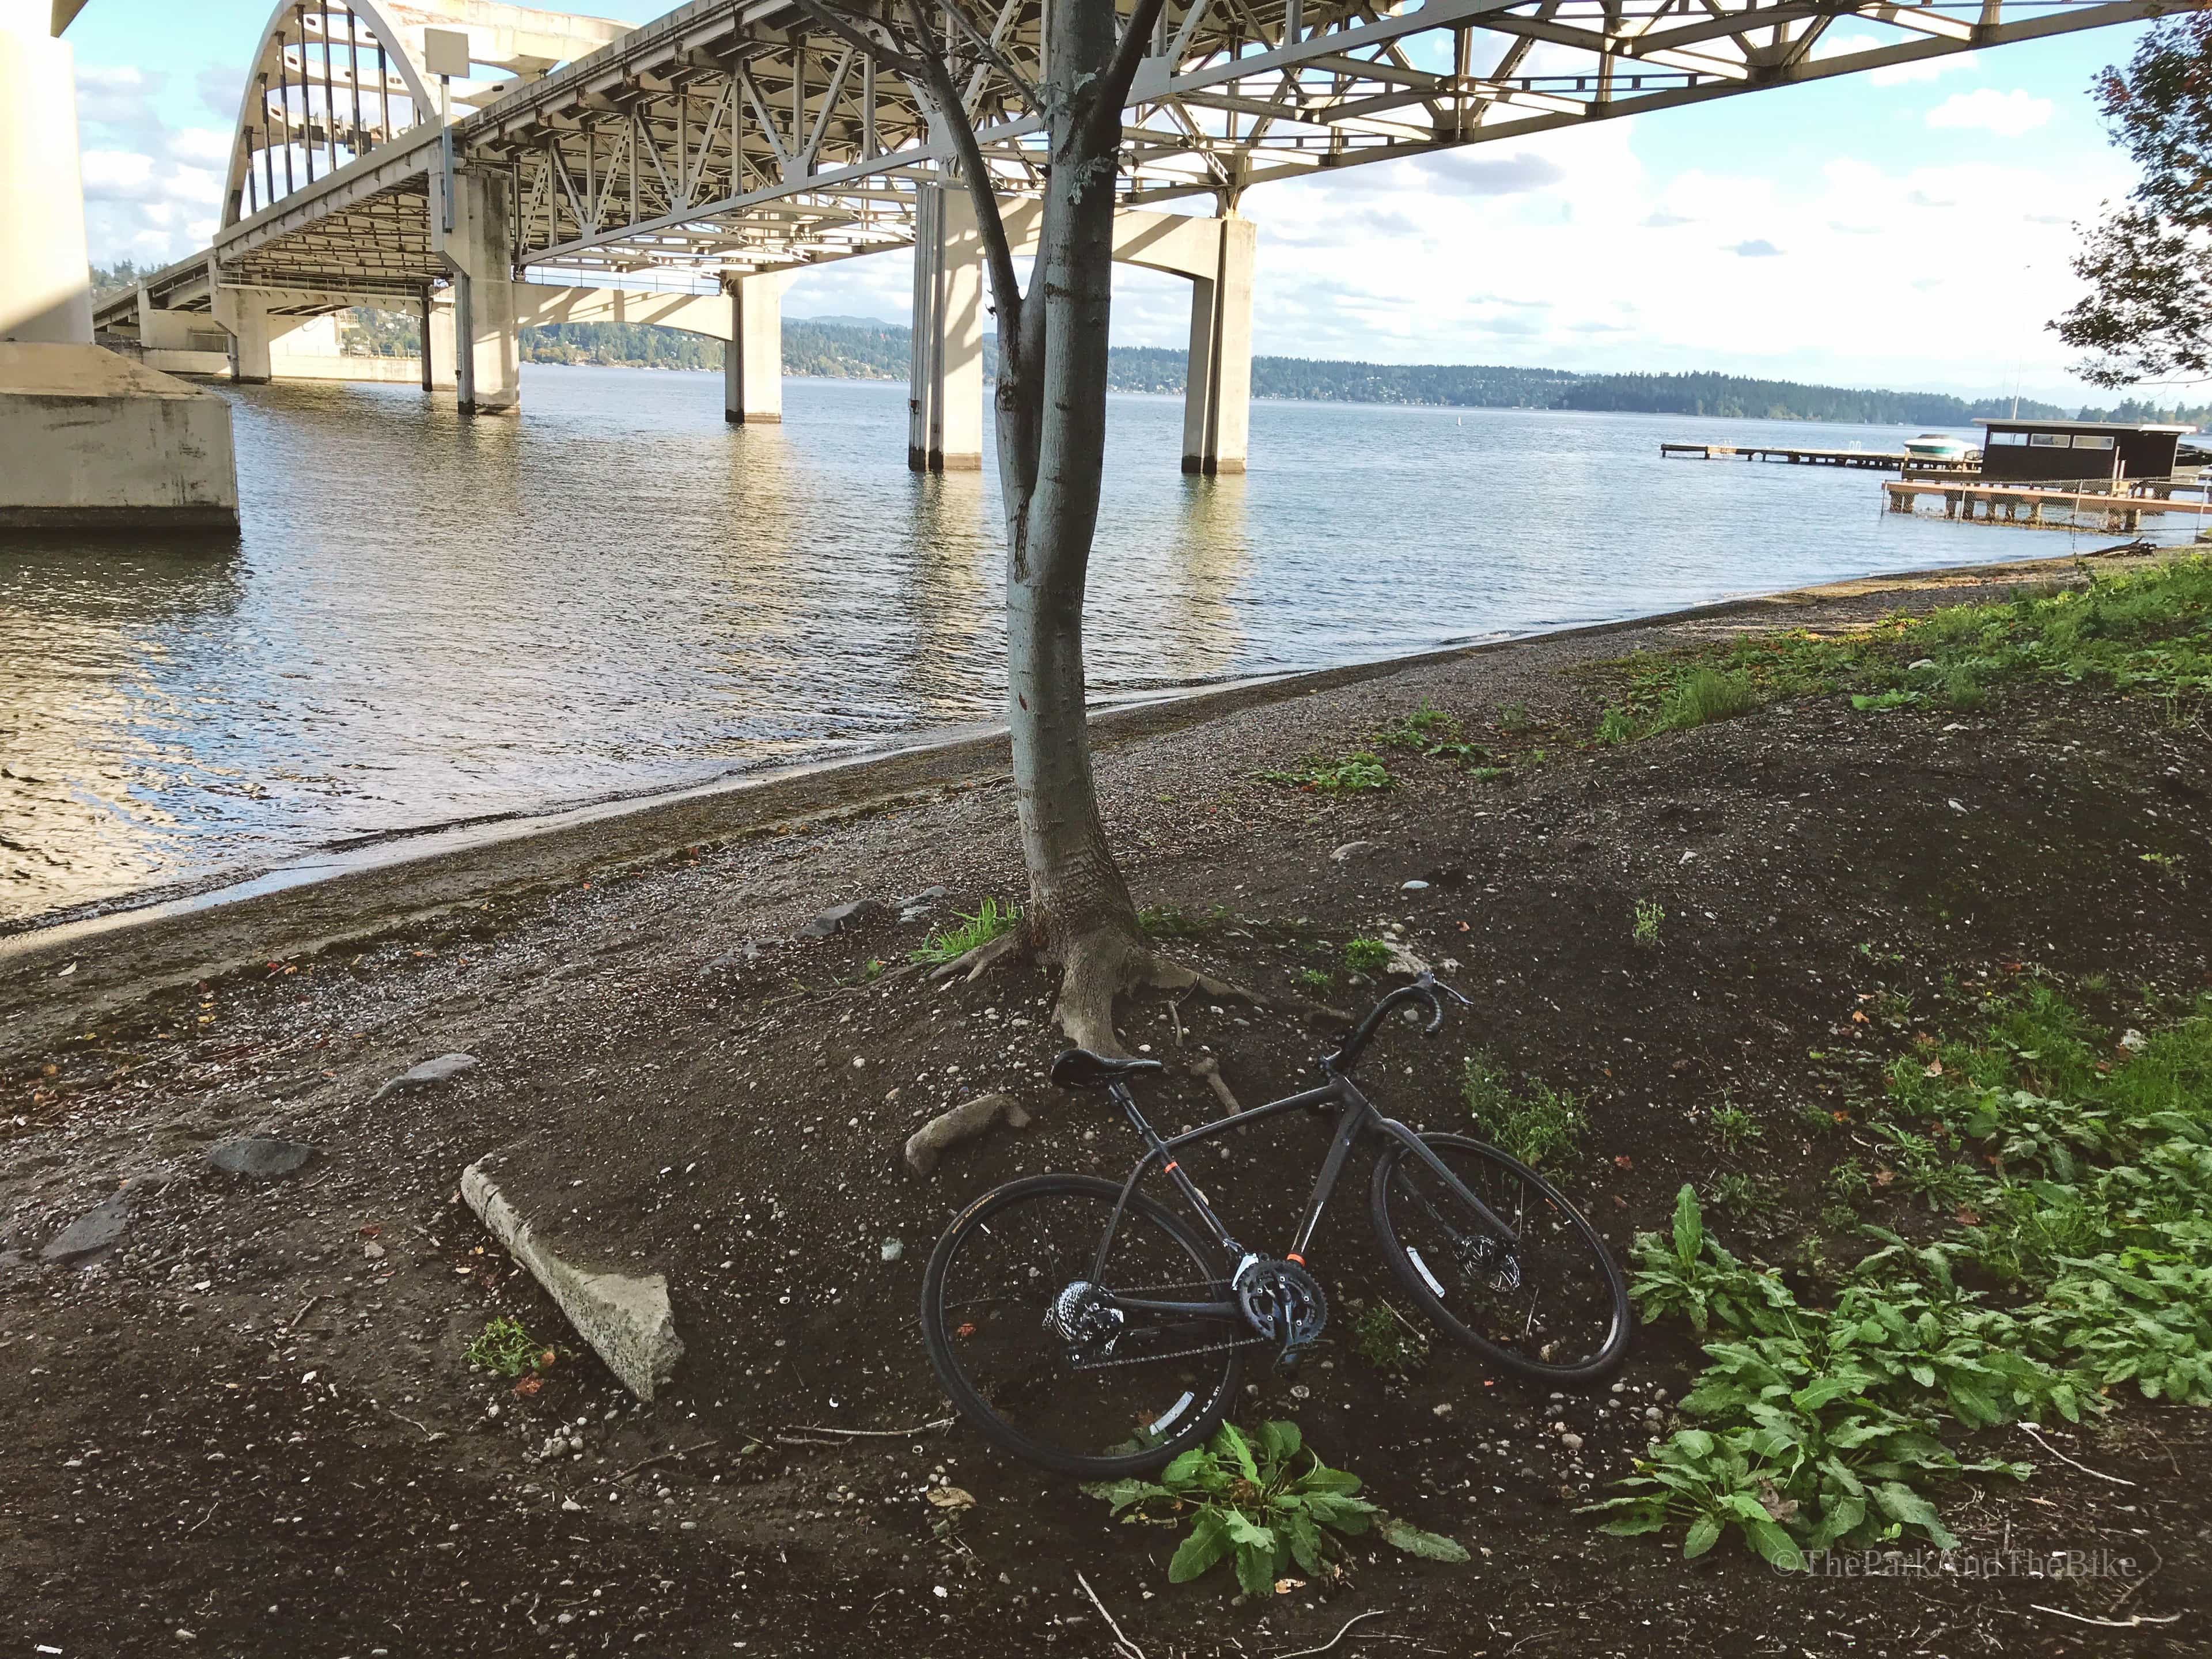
427	619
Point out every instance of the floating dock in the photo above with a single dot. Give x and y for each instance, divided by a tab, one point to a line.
1885	461
2046	507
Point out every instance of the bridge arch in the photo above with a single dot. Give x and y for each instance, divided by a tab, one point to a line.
302	114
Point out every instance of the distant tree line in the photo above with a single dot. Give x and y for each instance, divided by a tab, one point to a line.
860	349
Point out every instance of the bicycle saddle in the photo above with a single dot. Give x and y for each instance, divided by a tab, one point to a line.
1079	1068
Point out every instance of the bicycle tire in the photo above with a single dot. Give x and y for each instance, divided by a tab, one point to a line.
1426	1290
940	1338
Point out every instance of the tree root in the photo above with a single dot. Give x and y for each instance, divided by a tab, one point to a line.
984	957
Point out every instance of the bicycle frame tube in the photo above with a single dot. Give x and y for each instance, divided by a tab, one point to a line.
1359	1115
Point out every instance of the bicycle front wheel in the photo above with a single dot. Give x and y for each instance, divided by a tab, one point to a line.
1543	1298
1129	1390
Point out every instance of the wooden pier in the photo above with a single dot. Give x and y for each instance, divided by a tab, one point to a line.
2046	508
1885	461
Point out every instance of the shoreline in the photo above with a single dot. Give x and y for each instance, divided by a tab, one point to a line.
386	850
119	960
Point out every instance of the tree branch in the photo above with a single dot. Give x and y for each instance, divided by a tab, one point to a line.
998	251
1112	87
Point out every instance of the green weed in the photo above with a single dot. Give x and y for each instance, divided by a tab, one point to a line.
1615	727
1264	1504
1386	1340
1172	921
1738	1129
1645	928
1705	696
505	1348
1366	956
990	919
1533	1123
1355	773
1316	980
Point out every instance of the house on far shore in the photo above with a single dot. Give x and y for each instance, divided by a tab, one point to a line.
2066	451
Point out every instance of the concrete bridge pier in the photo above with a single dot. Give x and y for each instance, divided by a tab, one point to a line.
478	250
253	328
752	361
1216	398
439	364
945	401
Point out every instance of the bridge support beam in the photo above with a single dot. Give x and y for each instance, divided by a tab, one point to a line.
1216	398
253	329
752	361
439	362
945	403
479	251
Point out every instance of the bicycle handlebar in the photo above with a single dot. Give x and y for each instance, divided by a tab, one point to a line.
1422	989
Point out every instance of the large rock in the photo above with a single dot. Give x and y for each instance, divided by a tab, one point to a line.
428	1074
268	1157
625	1318
97	1230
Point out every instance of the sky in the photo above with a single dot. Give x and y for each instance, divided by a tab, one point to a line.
1909	228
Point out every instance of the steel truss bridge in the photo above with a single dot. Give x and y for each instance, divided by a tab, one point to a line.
732	138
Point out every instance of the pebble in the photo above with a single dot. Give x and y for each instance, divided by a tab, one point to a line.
94	1232
1414	887
1573	1442
268	1157
1353	849
838	917
893	1249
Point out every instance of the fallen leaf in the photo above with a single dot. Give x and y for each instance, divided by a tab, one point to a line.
1859	1017
968	1328
1624	1162
1285	1586
528	1386
1935	1068
951	1498
1968	1217
1883	1177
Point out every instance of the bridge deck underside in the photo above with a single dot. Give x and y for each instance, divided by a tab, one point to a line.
730	138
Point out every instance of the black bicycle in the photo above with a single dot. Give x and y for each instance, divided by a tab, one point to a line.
1083	1326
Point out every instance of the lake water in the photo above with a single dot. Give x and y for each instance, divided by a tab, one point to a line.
428	620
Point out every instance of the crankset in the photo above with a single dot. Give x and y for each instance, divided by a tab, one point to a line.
1283	1302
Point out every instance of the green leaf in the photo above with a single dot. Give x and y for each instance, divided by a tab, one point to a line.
1340	1513
1229	1442
1689	1225
1186	1469
1122	1493
1429	1545
1207	1543
1321	1478
1244	1531
1776	1545
1305	1543
1280	1441
1908	1507
1632	1525
1705	1533
1256	1567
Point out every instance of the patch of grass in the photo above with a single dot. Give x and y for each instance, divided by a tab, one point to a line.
1316	980
505	1348
1878	702
990	919
1645	928
1742	1195
1366	956
1266	1504
1615	727
1357	773
1430	732
1704	696
1533	1122
1515	719
1490	774
1387	1340
1963	689
1738	1129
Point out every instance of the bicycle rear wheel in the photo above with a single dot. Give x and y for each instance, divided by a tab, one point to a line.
1548	1302
1143	1388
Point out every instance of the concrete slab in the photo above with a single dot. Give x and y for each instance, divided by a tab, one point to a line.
90	440
626	1318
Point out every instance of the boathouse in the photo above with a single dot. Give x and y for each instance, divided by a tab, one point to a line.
2052	451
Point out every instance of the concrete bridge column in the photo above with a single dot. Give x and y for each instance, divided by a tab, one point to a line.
479	251
752	361
253	328
944	430
440	366
1217	409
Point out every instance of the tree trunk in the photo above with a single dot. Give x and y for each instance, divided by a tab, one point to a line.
1051	426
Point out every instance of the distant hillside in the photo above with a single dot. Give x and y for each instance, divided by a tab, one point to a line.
860	349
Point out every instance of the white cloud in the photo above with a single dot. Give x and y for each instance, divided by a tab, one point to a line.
2007	114
202	147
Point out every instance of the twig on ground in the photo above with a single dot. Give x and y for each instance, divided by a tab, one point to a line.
306	1308
1207	1067
1301	1653
205	1519
1175	1009
423	1429
2137	1585
2133	1621
1122	1644
2028	1430
873	1434
662	1457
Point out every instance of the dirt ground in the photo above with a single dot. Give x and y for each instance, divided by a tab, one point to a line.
249	1427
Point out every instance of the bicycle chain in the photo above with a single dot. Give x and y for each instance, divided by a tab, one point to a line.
1173	1353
